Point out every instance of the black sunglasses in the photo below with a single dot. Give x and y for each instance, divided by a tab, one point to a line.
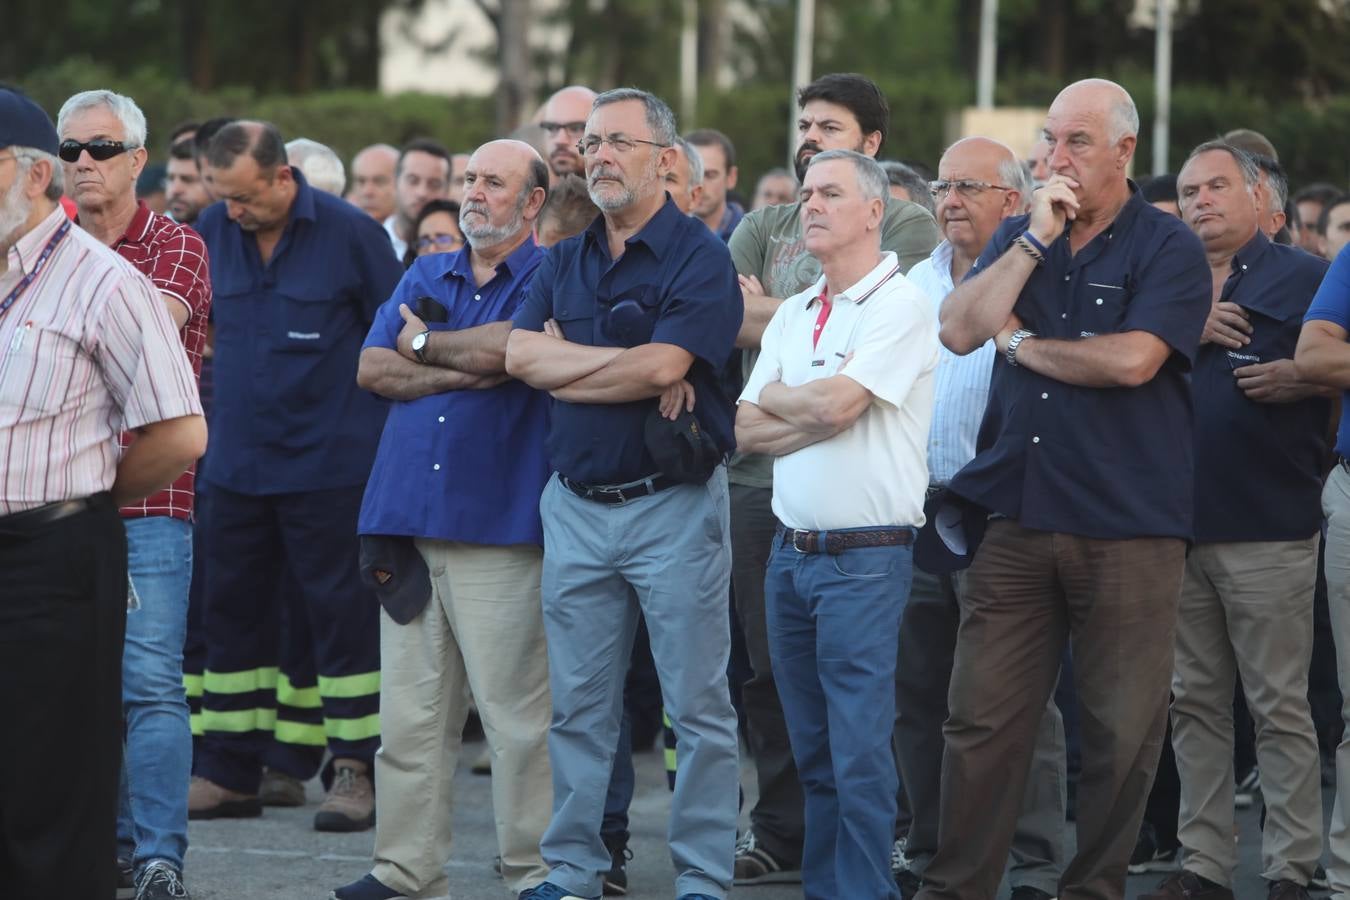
99	149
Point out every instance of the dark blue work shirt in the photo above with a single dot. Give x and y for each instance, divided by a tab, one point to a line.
1108	463
287	413
462	465
674	284
1332	304
1258	466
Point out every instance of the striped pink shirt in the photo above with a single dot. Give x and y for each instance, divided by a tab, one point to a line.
86	351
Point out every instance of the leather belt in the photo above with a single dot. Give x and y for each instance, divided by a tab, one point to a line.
836	542
618	493
43	515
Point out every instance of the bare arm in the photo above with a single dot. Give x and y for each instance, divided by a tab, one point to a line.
546	362
387	373
759	309
827	405
634	374
160	453
760	432
1128	359
1277	382
1323	356
178	310
480	350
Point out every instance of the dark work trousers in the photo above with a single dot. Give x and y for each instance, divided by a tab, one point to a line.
778	817
254	542
63	613
1025	595
1324	692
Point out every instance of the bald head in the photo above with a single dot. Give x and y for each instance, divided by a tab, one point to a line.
373	180
1090	132
564	121
968	211
1112	104
505	186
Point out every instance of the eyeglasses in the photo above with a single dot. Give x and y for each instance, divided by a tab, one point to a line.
440	239
100	149
591	145
965	187
572	128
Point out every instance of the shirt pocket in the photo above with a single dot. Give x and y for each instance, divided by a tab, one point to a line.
1103	302
629	319
37	371
306	321
576	314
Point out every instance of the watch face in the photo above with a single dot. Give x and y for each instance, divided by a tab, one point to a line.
419	341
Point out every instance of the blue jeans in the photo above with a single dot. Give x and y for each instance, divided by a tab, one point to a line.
152	811
833	622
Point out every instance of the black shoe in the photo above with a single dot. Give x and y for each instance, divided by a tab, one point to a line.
161	881
614	883
126	880
1149	857
1287	890
909	884
1027	892
1319	880
756	865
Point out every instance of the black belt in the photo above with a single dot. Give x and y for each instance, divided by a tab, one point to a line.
43	515
618	493
836	542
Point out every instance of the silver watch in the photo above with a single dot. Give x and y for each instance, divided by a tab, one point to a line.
419	345
1014	342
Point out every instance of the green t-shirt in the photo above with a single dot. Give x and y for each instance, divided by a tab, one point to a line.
768	244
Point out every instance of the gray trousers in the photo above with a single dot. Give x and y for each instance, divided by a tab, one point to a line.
927	649
669	556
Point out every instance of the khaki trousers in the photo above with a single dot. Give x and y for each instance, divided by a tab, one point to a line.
1246	608
482	632
1336	563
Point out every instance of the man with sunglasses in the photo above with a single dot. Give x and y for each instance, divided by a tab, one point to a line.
627	322
980	184
563	122
102	152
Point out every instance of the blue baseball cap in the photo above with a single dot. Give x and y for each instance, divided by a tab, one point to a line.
25	124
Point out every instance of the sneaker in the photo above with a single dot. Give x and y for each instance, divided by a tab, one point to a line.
280	789
756	865
1027	892
614	883
350	804
1149	857
900	861
1185	885
126	880
549	891
1244	796
909	884
161	881
208	800
1319	880
367	887
1287	890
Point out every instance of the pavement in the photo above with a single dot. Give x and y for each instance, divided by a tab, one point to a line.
281	857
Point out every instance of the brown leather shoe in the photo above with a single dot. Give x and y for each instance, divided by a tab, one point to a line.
208	800
350	804
1185	885
280	789
1287	890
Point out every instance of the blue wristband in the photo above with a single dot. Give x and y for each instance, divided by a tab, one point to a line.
1045	251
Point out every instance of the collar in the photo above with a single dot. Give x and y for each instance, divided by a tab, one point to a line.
302	207
941	258
460	263
1124	217
138	230
859	292
26	250
1250	252
658	234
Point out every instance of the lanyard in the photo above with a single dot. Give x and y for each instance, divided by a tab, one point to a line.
47	251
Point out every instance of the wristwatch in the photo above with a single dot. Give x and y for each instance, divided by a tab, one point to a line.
419	346
1010	354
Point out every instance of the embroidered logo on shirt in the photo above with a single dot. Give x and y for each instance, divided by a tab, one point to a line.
303	335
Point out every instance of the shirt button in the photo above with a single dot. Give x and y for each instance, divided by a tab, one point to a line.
440	418
1099	301
1244	268
1066	277
1036	440
436	467
1063	315
478	296
1045	396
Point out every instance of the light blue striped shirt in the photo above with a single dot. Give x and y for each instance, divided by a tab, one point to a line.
961	386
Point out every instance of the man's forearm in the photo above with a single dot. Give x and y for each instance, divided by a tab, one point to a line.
480	350
758	431
802	406
387	373
977	309
1102	361
1323	360
630	375
159	454
547	363
758	311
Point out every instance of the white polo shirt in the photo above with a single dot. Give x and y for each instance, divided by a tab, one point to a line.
875	472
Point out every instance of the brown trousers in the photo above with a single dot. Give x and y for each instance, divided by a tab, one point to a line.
1026	593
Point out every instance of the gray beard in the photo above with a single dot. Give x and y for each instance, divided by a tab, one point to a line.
629	195
484	234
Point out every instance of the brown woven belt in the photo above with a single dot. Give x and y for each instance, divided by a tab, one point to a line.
836	542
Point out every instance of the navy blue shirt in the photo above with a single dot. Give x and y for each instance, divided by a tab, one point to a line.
674	284
1332	304
462	465
1258	466
1108	463
287	414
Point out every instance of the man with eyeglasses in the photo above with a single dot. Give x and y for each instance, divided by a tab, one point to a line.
980	184
153	818
89	350
838	112
563	122
627	325
422	174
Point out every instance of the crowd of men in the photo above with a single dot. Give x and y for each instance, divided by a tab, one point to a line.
967	502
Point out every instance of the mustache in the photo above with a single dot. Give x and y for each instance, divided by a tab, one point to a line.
602	172
480	208
808	147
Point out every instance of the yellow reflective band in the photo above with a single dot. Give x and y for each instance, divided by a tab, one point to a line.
195	723
239	721
261	679
353	729
298	698
288	732
193	685
665	720
670	760
349	686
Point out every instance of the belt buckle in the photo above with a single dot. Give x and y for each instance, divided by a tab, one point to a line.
619	493
796	532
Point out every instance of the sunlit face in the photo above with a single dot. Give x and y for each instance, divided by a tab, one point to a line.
1079	141
615	178
835	215
423	177
774	190
717	180
1309	211
682	190
967	212
564	122
93	183
184	191
255	200
1338	230
495	199
822	125
438	233
373	182
1215	201
458	164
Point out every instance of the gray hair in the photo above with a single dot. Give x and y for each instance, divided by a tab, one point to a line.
123	108
24	157
660	118
1246	163
695	161
871	177
1015	174
321	166
900	175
